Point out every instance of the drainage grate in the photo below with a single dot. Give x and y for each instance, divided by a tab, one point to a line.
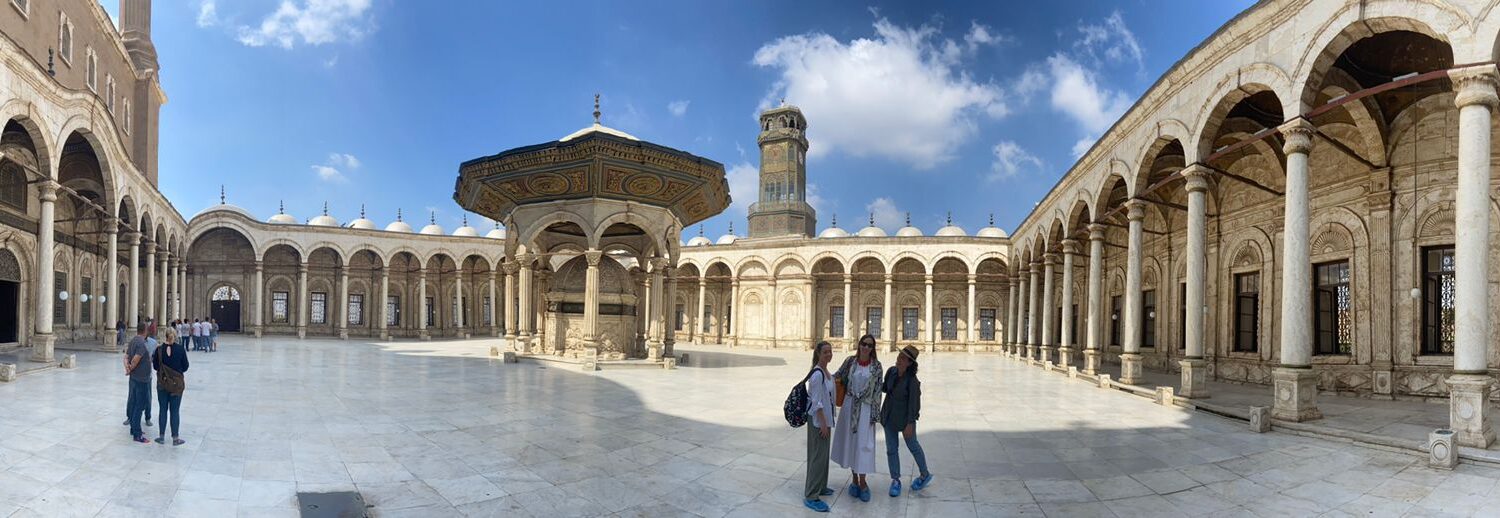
341	504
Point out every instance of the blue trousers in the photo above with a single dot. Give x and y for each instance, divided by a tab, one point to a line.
893	452
145	405
139	404
170	406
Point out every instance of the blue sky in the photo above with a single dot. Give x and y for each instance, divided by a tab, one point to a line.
920	107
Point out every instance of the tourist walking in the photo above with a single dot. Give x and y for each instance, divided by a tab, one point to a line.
138	369
170	362
213	335
854	431
819	428
898	414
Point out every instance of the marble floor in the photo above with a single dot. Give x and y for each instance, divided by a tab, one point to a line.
440	429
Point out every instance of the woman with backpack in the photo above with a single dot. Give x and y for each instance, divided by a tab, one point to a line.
854	440
903	404
170	361
819	428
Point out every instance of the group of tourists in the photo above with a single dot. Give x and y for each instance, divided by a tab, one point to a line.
202	334
167	358
863	394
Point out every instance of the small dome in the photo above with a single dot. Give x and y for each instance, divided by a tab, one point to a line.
951	230
225	207
597	128
726	239
363	224
323	221
433	229
281	217
831	232
699	241
495	233
908	230
991	230
464	231
871	231
398	226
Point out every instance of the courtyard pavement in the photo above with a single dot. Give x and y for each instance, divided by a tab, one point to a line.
440	429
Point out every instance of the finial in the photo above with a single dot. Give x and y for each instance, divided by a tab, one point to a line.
700	230
497	224
325	208
280	207
596	109
950	218
398	214
221	194
783	101
835	221
466	220
908	219
361	211
872	218
50	71
431	217
992	219
731	228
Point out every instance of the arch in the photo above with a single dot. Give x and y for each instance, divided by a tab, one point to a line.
20	111
1357	21
951	255
390	256
751	266
1264	81
652	228
829	255
284	246
528	238
788	264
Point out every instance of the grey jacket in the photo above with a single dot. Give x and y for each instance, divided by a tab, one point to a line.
903	399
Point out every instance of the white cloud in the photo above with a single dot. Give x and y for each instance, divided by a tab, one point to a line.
313	22
1076	92
1011	159
980	35
678	108
208	14
899	95
816	199
886	215
334	168
1110	41
1083	145
744	180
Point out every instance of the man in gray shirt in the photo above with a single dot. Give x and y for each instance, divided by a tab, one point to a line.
138	368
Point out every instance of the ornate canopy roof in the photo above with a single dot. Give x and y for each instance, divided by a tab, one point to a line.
594	164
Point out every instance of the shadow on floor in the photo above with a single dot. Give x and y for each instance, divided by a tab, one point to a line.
720	360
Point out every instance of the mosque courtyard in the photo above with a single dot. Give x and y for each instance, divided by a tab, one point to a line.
441	429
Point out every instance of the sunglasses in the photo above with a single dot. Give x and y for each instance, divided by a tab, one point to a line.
866	344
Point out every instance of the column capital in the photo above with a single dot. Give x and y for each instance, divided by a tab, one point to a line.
927	279
1048	259
889	277
510	268
525	259
259	265
133	237
1135	209
1474	85
1070	246
1297	135
592	257
1197	176
48	189
657	264
973	278
848	278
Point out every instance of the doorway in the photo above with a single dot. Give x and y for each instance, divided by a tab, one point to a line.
224	308
10	297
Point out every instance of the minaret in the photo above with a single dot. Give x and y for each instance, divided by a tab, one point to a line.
782	207
147	96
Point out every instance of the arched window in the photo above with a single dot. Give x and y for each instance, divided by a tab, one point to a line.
226	293
13	185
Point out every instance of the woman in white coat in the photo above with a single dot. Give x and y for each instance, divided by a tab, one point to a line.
854	428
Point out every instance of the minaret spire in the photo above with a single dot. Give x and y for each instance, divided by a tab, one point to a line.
221	194
280	207
325	208
596	109
398	213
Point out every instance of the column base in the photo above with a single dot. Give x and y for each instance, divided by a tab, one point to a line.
653	350
1130	368
422	335
1046	354
1091	361
1035	352
42	347
1064	356
385	335
1469	409
301	332
669	348
1296	397
343	334
1194	378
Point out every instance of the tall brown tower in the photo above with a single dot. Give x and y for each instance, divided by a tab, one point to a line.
135	31
782	207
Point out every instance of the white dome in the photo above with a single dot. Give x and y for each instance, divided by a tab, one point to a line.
833	232
726	239
466	231
496	233
433	229
226	207
283	219
951	231
909	231
597	128
991	231
323	221
699	241
363	224
871	231
398	226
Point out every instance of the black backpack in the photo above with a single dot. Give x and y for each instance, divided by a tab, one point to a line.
795	407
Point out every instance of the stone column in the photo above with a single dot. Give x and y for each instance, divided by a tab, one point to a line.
1130	358
111	292
849	312
458	299
774	299
524	313
422	305
734	323
1096	299
302	310
343	312
181	287
150	293
1194	368
1049	277
494	321
702	303
927	304
382	322
511	320
973	327
888	327
166	275
654	321
258	301
591	303
1296	385
1469	386
669	314
133	306
1065	346
1023	315
1033	313
1013	315
43	340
